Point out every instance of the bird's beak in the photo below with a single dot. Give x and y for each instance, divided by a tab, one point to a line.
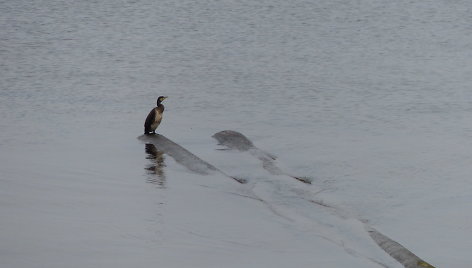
165	97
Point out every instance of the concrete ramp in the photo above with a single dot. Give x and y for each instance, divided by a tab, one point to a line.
397	251
237	141
183	156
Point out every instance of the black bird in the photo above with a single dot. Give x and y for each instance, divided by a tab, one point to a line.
154	117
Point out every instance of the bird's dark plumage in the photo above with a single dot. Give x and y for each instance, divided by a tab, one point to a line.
154	117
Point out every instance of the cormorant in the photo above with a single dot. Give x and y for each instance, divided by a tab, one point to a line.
154	117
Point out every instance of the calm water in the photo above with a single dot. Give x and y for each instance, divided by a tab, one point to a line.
77	79
67	67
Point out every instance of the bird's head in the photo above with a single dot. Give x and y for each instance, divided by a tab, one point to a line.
160	99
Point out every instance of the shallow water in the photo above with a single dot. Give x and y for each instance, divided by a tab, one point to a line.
370	99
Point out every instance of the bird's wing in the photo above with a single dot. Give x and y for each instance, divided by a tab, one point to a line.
150	118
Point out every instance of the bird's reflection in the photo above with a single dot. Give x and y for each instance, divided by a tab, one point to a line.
156	167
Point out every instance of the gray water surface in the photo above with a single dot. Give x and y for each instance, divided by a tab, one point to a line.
350	92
